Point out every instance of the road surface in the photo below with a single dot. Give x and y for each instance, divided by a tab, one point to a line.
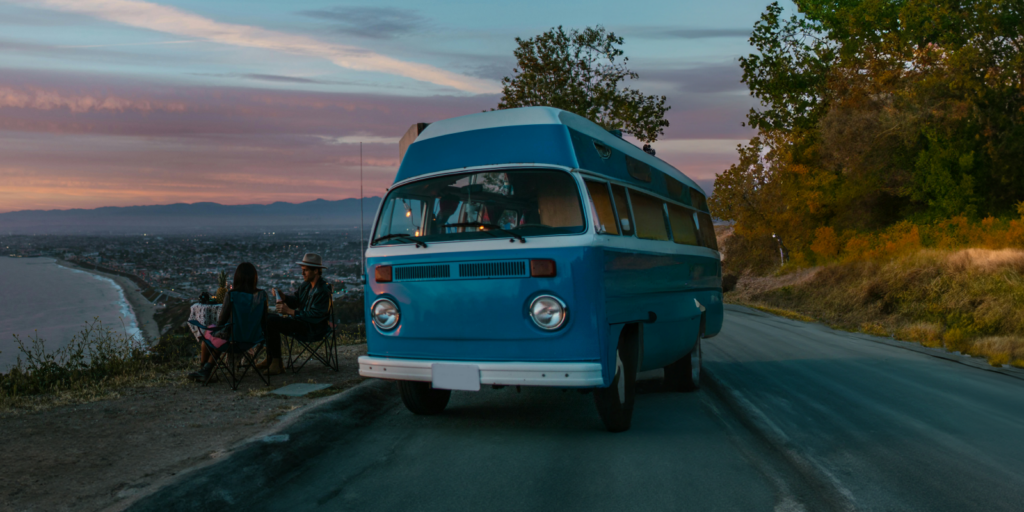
798	417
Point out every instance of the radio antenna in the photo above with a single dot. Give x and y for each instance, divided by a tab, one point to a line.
362	254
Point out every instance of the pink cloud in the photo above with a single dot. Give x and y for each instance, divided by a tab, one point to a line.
35	98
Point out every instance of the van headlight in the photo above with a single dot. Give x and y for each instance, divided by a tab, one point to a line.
548	312
385	314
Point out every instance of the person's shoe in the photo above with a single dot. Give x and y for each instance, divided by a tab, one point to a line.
275	368
202	374
264	364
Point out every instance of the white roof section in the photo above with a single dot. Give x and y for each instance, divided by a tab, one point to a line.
547	115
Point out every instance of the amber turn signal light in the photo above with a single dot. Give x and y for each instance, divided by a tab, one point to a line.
542	268
382	273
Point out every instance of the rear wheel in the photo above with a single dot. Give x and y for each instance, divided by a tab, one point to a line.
420	398
615	402
684	374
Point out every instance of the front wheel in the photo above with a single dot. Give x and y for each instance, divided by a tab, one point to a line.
421	398
684	374
615	402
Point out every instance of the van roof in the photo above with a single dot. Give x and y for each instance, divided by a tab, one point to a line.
540	123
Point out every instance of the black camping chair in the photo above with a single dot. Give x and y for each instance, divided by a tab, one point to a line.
244	341
322	345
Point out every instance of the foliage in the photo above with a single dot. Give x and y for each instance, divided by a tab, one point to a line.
879	114
581	71
969	300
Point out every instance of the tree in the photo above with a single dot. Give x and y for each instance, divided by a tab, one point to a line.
879	112
580	71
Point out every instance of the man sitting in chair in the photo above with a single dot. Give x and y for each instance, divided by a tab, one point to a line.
302	314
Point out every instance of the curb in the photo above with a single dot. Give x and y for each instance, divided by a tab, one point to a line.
817	476
255	462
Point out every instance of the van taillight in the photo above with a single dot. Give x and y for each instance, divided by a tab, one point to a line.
542	268
383	273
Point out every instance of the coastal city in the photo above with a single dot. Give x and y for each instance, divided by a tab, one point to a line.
184	267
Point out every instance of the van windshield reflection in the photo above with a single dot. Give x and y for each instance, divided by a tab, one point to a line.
516	204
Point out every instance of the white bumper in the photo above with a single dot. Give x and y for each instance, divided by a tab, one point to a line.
570	375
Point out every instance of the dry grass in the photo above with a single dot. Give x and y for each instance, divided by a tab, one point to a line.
969	300
926	333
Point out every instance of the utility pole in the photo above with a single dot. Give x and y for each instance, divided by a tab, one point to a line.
362	254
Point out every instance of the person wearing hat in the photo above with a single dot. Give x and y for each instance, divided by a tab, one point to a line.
302	314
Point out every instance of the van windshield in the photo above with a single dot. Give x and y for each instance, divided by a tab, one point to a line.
479	205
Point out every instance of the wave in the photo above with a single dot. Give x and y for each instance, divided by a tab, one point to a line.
127	313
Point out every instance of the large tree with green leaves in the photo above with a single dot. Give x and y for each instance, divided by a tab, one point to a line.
878	111
582	72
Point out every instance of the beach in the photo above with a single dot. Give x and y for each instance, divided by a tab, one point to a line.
143	309
53	303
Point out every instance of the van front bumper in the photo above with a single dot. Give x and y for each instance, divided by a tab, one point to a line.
571	375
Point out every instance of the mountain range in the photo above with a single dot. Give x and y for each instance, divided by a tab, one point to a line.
192	218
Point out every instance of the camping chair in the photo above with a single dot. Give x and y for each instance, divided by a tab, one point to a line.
306	348
244	341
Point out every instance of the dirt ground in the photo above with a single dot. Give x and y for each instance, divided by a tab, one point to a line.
92	456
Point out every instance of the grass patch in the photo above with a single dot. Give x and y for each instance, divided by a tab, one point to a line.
98	363
969	301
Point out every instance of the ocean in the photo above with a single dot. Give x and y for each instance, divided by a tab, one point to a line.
37	296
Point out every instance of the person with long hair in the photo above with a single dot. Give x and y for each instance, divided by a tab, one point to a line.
246	280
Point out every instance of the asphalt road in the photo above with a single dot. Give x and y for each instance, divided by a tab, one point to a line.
798	417
882	428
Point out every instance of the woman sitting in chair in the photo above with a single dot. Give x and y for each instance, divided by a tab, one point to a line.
243	294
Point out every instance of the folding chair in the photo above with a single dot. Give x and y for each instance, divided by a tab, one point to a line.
245	341
311	346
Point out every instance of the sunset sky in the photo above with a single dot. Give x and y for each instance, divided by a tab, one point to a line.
123	102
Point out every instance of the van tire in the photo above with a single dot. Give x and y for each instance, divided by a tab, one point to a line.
615	402
684	374
421	398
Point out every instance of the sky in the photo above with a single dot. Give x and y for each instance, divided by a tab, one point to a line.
125	102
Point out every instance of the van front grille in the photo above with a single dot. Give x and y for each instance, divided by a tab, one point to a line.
493	269
422	272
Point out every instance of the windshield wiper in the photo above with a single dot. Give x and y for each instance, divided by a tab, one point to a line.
511	233
417	241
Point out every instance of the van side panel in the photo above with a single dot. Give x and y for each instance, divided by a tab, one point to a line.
637	284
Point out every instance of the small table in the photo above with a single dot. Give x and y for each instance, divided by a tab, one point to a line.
205	314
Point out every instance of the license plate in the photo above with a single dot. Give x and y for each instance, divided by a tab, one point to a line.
461	377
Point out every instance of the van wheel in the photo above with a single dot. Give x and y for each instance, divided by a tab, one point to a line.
615	402
422	399
684	374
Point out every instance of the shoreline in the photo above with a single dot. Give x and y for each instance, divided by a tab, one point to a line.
143	310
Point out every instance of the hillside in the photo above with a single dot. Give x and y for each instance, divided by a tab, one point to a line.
969	301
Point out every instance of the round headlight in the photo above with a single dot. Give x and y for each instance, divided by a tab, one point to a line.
385	314
548	312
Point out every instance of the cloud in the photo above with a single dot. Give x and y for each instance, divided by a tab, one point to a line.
49	100
361	138
688	33
170	20
370	22
224	111
708	79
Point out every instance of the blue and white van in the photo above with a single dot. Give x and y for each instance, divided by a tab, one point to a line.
531	247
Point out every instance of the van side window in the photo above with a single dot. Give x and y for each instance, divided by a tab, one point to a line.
650	216
638	169
601	198
698	200
707	229
684	231
622	210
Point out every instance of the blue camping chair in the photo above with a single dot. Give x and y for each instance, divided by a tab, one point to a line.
243	338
